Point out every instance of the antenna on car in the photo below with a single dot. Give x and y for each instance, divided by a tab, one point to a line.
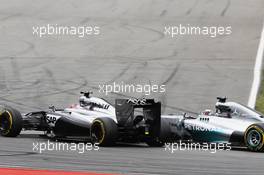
222	99
86	93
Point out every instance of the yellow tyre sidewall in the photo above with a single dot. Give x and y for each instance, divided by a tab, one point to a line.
10	120
102	129
257	128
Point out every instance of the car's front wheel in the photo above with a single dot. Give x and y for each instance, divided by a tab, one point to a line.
154	143
254	137
11	122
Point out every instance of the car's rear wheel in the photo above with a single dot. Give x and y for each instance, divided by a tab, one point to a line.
154	143
11	122
104	131
254	137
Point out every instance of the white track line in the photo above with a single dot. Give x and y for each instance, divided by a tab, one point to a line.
257	73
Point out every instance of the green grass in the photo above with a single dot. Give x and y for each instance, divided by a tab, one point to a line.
260	98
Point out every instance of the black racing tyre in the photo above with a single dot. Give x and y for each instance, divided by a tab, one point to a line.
11	122
164	135
165	132
254	137
155	143
104	131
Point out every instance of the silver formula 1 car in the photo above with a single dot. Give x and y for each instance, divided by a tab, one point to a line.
231	123
131	120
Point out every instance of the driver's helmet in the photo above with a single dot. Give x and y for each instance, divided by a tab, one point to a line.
221	108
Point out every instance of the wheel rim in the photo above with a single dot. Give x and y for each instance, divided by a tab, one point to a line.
5	122
254	138
98	132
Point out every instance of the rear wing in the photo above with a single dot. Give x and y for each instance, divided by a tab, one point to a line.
151	112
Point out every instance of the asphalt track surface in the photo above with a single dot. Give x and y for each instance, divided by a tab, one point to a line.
37	72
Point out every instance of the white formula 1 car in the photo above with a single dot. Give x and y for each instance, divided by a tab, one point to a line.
131	120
